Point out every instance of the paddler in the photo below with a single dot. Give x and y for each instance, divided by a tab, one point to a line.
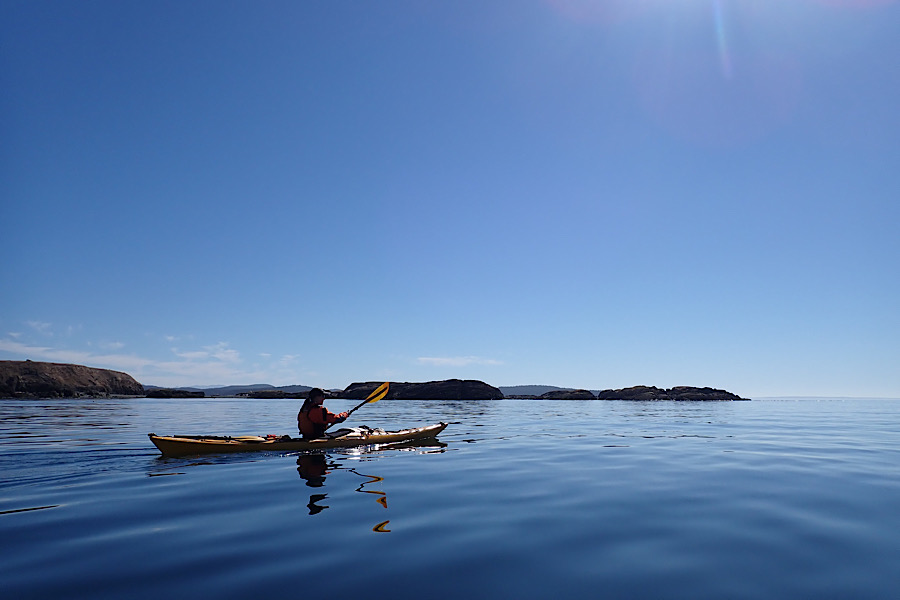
313	418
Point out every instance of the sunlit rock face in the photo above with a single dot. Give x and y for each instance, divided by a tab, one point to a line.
28	379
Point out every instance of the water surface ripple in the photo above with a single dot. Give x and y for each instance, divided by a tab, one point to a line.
528	499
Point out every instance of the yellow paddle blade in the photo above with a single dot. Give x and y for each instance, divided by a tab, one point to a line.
379	393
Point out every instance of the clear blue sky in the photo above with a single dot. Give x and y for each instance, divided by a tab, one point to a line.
579	193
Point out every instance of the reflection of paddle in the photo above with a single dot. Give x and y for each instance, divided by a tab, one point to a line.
380	528
379	393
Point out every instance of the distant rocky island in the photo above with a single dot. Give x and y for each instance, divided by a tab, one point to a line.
683	392
29	379
450	389
639	392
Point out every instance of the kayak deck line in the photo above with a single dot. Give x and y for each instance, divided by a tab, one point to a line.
185	445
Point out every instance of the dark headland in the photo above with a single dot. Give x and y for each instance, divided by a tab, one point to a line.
29	379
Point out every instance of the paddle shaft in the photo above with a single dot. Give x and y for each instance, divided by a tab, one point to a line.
360	405
376	395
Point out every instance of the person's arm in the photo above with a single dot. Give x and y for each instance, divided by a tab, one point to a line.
326	417
335	418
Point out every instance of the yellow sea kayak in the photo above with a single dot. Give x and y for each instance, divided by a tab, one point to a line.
184	445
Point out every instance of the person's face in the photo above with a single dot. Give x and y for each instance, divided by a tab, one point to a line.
319	400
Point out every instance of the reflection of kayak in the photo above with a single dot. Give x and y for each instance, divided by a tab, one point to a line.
207	444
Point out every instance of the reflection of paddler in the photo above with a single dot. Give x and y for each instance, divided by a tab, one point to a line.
312	468
314	508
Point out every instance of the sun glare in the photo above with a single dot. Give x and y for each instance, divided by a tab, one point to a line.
705	69
615	11
721	39
856	3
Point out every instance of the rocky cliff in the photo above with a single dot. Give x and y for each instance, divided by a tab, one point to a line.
451	389
28	379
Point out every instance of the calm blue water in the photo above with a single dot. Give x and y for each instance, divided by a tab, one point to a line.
527	499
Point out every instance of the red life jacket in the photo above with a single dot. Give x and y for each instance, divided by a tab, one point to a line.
310	424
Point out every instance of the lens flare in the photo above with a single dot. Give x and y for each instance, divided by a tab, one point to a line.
687	95
856	3
721	40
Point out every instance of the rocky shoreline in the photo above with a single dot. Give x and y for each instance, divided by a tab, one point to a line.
29	379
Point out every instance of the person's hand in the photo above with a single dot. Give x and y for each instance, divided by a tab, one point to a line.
343	416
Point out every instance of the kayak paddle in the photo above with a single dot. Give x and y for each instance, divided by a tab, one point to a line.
379	393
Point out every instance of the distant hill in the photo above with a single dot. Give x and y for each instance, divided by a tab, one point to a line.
294	389
234	390
530	390
150	388
229	391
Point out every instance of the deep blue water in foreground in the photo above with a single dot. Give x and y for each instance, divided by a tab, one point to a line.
527	499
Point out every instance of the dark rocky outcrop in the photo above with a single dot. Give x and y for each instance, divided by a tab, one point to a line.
642	392
28	379
170	393
450	389
638	392
694	393
569	395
